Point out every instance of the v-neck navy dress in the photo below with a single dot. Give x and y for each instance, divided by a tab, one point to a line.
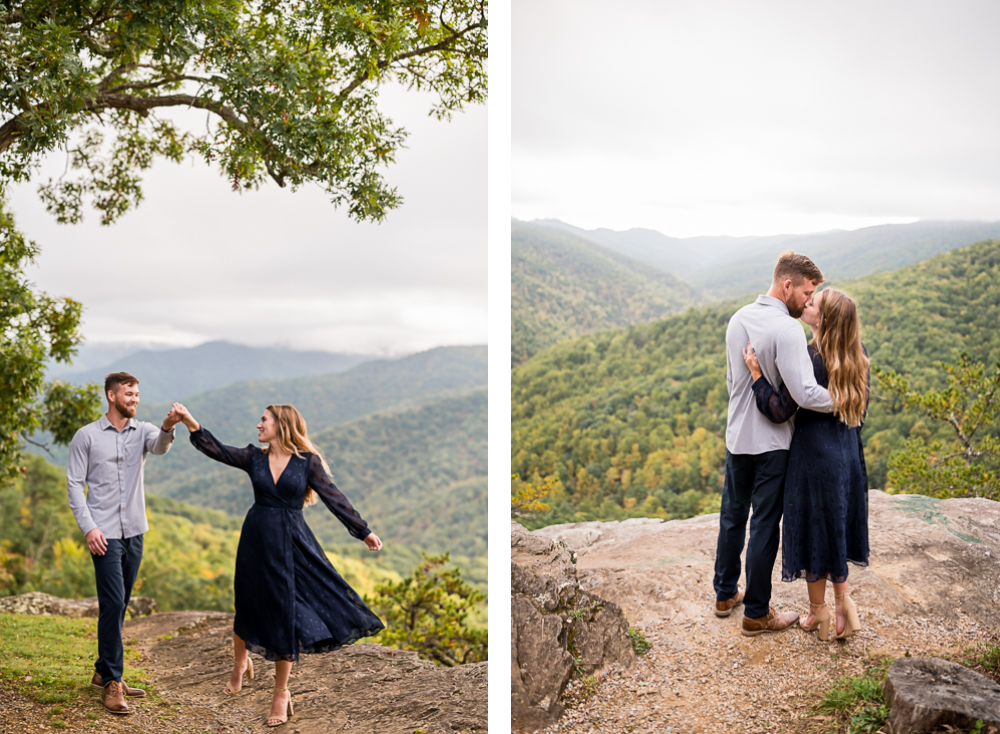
289	597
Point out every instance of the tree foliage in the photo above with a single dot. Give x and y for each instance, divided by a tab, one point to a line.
290	88
429	611
34	327
526	499
966	465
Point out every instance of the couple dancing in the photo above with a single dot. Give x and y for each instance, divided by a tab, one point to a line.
289	599
793	449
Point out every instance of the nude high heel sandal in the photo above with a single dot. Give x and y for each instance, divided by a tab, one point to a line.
289	711
246	671
852	623
822	621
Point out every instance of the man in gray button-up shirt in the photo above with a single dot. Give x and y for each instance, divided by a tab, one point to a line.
108	456
756	449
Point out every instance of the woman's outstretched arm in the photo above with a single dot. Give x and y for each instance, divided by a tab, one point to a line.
338	504
212	447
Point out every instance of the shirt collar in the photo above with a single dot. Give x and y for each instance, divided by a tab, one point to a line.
105	424
772	301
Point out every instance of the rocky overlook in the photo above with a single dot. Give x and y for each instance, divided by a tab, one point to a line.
932	589
362	688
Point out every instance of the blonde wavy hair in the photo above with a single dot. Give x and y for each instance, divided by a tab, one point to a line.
294	439
839	343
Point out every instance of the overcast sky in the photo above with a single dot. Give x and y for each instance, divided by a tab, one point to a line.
737	118
196	262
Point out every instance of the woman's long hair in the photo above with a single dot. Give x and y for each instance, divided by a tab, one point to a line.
293	438
839	344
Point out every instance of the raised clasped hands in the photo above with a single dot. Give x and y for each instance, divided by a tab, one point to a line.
750	357
373	542
181	414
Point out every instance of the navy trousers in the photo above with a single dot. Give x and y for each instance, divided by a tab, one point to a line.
115	571
757	481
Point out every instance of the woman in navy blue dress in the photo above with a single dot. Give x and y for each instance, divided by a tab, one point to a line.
825	521
289	598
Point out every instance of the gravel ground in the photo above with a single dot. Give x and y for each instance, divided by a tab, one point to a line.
707	677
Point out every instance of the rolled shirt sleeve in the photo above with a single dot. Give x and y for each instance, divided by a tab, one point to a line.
796	370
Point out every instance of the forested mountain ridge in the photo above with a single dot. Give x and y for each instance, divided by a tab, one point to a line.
725	267
175	374
563	286
631	420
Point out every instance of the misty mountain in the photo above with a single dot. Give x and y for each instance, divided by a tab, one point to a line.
725	267
175	374
563	285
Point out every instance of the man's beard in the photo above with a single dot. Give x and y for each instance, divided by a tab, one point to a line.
124	409
795	311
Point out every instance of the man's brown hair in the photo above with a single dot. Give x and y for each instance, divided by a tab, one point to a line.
112	381
796	267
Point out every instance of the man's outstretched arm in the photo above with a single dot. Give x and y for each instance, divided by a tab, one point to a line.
159	442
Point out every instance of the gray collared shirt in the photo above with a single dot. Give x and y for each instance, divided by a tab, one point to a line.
780	344
111	465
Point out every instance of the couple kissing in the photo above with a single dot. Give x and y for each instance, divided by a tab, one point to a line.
794	453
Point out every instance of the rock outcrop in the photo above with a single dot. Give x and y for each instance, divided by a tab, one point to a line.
39	603
925	694
556	628
361	688
932	589
929	557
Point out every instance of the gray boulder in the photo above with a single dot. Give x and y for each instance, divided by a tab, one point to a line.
46	604
925	694
556	628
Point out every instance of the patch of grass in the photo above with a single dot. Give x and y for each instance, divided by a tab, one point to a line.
92	715
857	701
50	659
55	711
639	642
984	655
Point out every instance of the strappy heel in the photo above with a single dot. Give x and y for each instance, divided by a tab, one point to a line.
289	711
852	623
228	690
821	620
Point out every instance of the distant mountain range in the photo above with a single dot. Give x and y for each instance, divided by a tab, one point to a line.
724	267
175	374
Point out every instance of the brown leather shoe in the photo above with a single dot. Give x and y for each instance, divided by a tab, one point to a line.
725	608
773	622
97	683
113	697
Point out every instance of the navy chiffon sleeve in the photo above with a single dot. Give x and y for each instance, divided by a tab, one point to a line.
335	500
213	448
778	405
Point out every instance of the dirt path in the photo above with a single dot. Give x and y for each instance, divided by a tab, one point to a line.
933	588
363	689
